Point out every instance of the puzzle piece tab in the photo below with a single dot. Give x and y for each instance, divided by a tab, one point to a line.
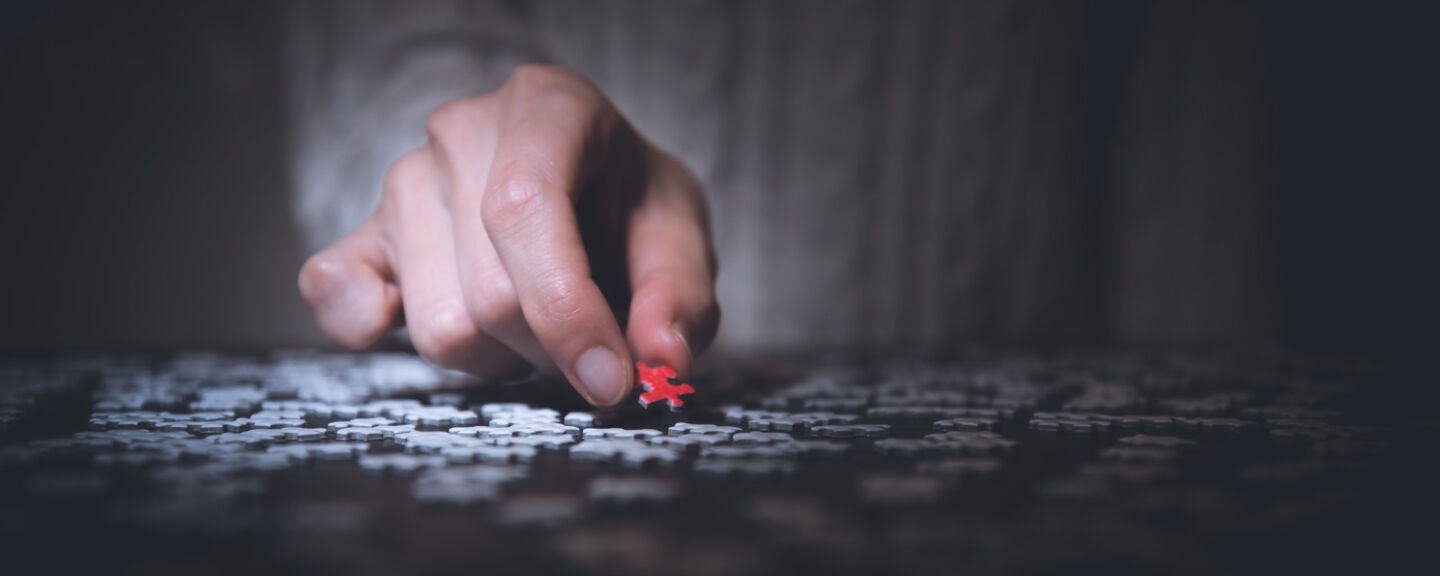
657	383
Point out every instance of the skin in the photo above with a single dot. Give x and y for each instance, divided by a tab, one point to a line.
533	223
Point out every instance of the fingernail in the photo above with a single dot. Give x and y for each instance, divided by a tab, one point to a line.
602	375
680	335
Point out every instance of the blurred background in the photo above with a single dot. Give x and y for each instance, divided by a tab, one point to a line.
923	175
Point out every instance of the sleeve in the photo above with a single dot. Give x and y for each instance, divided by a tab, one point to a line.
363	75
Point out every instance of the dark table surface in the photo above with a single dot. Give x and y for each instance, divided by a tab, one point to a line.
997	463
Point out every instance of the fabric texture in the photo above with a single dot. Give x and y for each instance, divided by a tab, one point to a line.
918	174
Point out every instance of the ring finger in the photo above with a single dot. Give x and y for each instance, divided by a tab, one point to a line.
440	325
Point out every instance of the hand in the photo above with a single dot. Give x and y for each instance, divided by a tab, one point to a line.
533	218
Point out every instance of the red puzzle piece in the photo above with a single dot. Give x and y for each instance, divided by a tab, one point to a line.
657	384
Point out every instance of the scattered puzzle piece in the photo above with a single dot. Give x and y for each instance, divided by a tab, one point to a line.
1140	445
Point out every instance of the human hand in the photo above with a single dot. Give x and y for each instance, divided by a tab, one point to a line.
532	223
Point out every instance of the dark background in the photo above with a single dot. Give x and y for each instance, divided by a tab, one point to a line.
146	203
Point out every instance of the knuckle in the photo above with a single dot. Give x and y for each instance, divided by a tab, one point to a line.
408	174
543	76
453	118
515	198
526	76
559	301
552	85
445	337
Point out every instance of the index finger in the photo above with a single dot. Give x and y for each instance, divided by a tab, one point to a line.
554	130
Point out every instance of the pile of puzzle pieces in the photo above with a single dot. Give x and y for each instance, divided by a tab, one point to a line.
183	442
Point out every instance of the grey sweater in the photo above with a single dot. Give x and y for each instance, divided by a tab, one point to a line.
882	174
